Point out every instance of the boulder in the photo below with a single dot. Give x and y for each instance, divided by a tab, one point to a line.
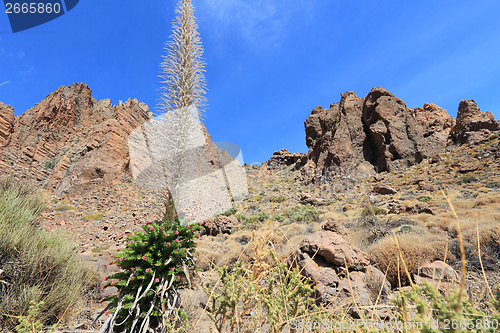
322	257
469	167
417	209
265	173
334	226
438	274
335	250
437	270
384	189
472	124
424	186
307	199
220	225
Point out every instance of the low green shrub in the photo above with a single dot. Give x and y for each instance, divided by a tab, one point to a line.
277	198
424	198
371	211
301	213
279	218
493	184
37	265
230	211
436	313
240	217
153	265
468	178
49	165
30	322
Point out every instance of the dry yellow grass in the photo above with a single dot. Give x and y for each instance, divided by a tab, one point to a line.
416	250
329	215
487	200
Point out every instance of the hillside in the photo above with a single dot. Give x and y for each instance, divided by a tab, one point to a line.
375	168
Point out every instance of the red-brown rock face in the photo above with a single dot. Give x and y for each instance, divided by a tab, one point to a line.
402	136
6	124
472	124
378	130
69	138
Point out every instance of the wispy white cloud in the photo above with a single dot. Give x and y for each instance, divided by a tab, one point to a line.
27	72
17	54
257	22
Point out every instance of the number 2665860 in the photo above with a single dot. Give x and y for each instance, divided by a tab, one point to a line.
32	8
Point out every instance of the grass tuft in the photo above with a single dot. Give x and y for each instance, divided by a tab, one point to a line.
37	265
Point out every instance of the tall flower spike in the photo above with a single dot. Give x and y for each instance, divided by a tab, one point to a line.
182	69
182	99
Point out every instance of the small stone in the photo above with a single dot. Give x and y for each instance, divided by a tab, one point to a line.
384	189
423	186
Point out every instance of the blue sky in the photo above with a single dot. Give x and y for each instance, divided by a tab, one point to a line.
269	62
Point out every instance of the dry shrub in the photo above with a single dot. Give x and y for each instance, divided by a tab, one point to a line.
465	224
228	249
490	215
218	251
489	239
448	215
444	222
333	216
415	250
423	219
288	237
358	237
463	204
486	199
453	195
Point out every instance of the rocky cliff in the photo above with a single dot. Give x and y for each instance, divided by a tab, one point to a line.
70	140
380	133
6	124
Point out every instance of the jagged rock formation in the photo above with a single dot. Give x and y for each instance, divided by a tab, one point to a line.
473	125
70	138
378	130
6	124
283	158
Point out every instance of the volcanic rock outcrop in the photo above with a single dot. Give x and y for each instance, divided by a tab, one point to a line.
70	138
6	123
283	158
472	125
378	129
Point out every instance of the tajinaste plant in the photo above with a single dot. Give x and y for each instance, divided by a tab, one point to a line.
153	265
